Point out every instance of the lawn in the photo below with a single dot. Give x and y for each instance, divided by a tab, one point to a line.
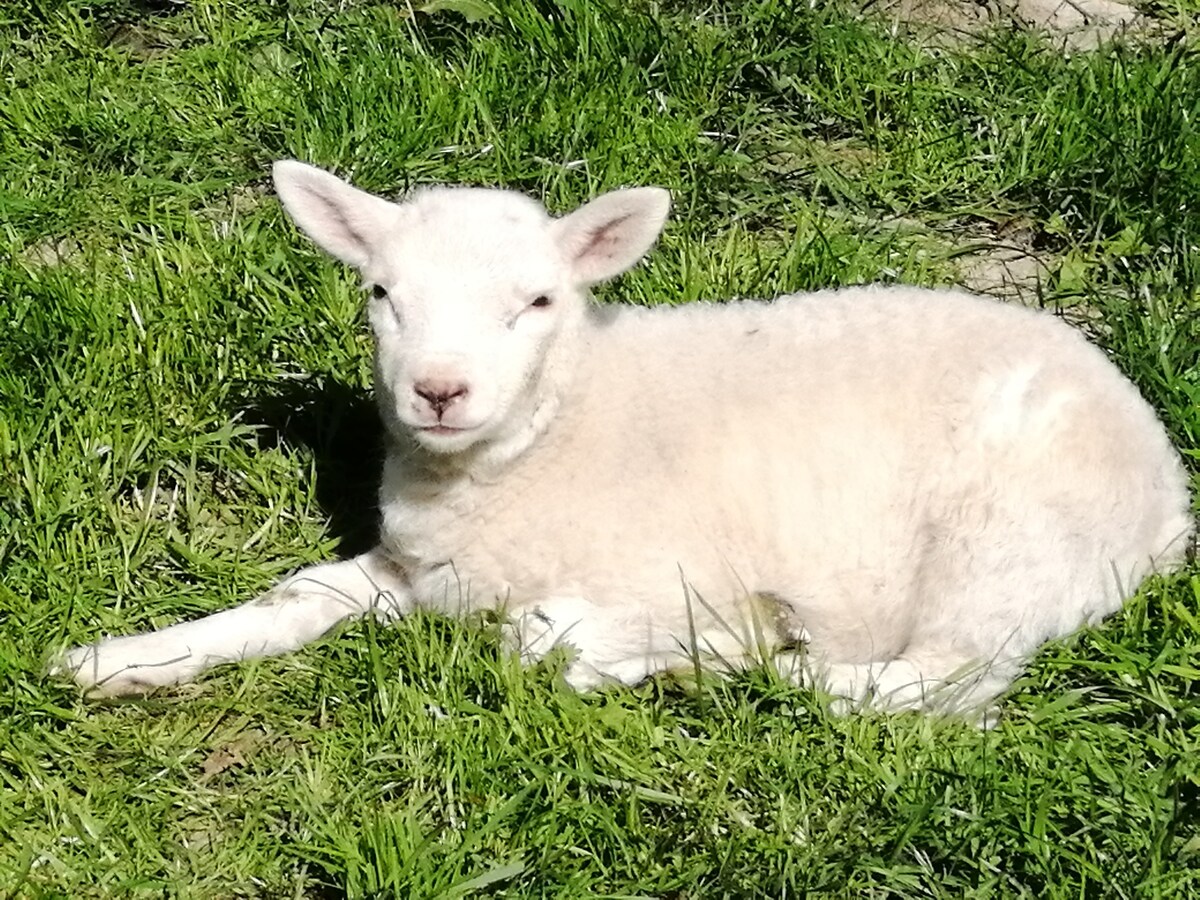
185	409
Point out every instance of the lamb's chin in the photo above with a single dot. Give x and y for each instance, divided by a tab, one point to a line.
445	439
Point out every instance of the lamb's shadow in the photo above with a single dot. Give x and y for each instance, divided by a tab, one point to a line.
338	423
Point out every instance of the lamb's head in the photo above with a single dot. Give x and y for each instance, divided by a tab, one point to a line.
472	292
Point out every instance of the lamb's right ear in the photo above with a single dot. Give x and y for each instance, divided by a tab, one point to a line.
603	238
341	219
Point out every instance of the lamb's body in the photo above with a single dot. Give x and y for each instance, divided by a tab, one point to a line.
803	501
918	487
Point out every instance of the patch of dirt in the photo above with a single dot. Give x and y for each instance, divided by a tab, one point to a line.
142	41
230	755
1077	24
52	252
1003	261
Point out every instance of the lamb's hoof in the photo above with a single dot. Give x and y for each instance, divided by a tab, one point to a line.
102	671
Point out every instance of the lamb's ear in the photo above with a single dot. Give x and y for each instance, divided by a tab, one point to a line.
344	221
603	238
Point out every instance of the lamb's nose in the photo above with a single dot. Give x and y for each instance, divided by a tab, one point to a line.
440	394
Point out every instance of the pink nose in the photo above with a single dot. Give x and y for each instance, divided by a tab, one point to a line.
439	394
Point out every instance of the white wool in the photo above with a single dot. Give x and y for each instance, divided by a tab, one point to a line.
904	492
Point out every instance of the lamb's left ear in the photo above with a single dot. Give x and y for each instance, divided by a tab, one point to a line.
603	238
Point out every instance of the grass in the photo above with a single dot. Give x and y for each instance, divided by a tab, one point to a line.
184	402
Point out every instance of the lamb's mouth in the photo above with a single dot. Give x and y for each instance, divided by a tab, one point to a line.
442	430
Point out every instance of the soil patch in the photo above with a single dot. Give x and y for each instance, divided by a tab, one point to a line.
1077	24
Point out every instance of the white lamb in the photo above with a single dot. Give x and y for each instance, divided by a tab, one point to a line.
900	493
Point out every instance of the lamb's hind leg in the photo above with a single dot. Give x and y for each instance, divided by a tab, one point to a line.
988	597
985	600
296	611
931	682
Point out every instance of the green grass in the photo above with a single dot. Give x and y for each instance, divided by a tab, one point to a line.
184	398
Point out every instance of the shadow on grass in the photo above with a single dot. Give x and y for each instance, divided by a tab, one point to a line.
337	422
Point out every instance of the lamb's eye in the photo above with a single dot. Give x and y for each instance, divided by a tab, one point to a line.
378	292
540	301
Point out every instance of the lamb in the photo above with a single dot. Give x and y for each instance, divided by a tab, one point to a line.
898	493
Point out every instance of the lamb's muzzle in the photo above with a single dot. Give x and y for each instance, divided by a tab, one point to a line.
440	394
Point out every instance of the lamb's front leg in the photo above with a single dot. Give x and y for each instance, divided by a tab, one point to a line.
624	646
296	611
